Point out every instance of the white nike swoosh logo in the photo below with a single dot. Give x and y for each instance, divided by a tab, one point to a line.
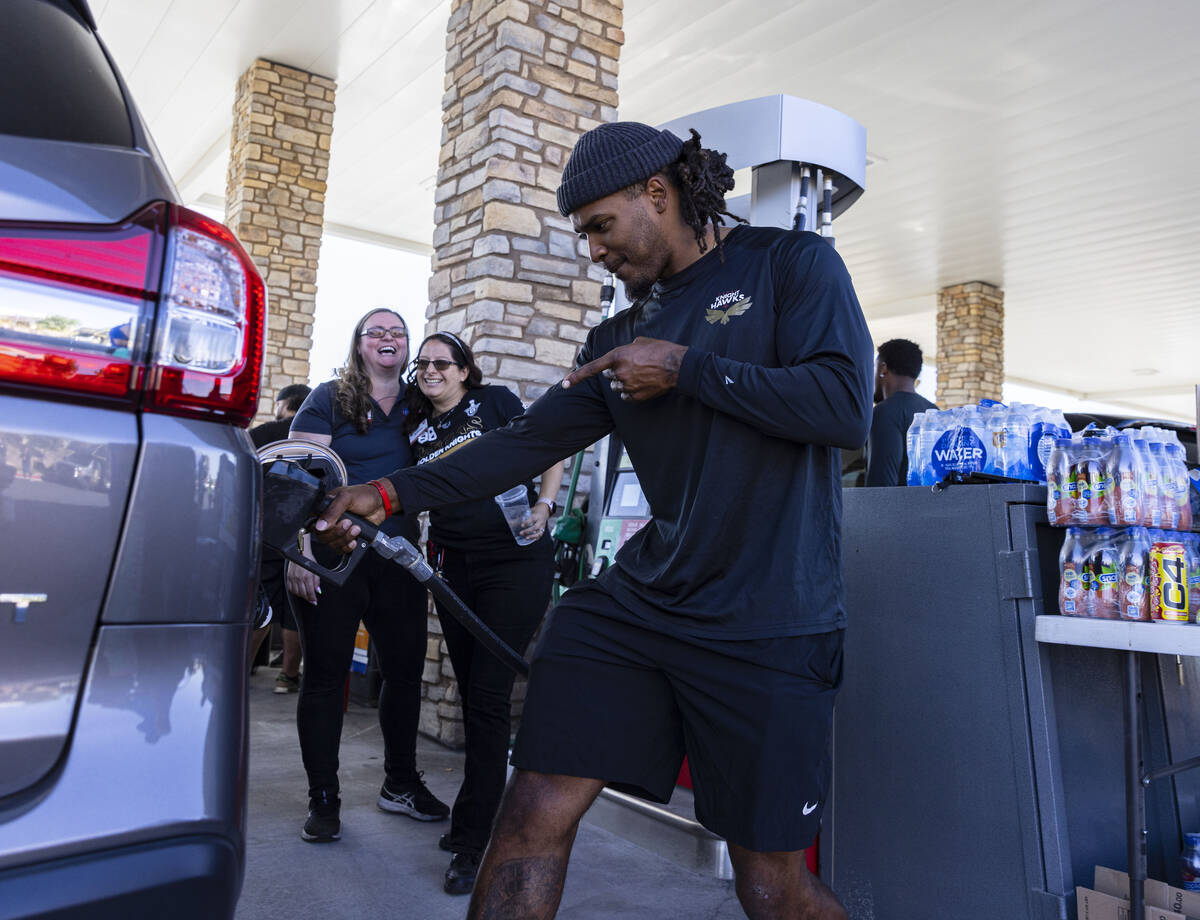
809	809
728	380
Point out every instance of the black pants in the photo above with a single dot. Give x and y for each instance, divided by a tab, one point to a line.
510	593
392	604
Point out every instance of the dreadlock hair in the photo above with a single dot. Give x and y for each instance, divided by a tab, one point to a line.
701	177
353	382
418	406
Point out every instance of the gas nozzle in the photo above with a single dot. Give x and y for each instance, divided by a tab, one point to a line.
293	497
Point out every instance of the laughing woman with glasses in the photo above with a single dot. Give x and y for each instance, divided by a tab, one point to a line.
507	585
357	415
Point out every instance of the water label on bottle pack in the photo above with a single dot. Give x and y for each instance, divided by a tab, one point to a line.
959	450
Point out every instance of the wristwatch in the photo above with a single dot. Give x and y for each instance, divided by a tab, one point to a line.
548	502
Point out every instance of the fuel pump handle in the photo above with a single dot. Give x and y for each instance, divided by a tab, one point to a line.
292	500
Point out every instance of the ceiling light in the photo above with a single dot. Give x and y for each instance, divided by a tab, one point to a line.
1145	371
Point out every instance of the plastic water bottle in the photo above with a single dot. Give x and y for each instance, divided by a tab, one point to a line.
994	420
1127	494
1176	466
1016	446
1103	565
1060	505
1131	566
1072	599
911	439
978	431
1047	426
1151	507
1092	474
1167	512
932	428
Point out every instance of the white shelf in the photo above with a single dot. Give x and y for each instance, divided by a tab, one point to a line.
1125	636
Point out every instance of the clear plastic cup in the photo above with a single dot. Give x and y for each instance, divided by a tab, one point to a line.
514	505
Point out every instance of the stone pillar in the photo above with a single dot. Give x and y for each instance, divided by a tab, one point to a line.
275	203
970	344
524	78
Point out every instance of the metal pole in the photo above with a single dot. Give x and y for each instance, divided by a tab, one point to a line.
1135	795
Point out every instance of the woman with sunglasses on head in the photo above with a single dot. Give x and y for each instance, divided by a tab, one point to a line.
360	415
506	584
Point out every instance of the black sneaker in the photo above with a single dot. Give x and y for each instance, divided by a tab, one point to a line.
323	824
460	877
444	843
413	799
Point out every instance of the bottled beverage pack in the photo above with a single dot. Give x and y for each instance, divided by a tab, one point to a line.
1014	440
1104	477
1134	573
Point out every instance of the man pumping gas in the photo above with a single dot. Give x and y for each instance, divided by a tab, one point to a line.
742	367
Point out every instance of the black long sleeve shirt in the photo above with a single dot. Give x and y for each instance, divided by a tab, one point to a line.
740	462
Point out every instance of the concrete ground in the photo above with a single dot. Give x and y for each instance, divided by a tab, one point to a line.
389	866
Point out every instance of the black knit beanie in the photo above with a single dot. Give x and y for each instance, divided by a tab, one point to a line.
612	157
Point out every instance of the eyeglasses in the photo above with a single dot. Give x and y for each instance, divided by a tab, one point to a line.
378	332
442	364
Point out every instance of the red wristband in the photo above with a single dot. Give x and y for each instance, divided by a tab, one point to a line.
387	502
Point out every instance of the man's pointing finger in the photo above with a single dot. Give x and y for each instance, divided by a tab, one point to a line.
588	370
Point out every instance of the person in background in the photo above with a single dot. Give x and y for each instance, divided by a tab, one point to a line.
506	584
287	403
360	416
897	367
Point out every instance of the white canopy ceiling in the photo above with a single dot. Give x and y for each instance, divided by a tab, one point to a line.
1045	146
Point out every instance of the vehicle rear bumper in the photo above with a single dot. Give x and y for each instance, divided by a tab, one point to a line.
189	877
157	756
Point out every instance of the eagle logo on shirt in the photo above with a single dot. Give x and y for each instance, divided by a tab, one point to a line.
727	306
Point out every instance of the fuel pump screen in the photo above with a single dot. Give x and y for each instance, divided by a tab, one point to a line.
627	498
625	514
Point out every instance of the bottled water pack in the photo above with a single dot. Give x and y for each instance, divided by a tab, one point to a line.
1013	441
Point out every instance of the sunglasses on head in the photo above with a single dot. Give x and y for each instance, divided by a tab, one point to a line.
442	364
378	332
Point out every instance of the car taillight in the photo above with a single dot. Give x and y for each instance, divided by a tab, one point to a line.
207	353
82	310
73	302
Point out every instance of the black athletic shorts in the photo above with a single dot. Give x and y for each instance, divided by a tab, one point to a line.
610	697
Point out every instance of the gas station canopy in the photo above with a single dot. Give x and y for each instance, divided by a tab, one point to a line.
1047	149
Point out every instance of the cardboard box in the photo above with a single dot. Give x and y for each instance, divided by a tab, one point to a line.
1093	905
1159	894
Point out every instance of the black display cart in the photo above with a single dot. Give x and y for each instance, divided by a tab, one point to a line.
977	771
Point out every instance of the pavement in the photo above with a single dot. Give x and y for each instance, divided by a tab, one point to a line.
389	866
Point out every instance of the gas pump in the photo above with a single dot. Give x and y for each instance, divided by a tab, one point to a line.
807	166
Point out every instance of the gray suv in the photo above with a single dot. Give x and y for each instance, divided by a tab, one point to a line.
131	344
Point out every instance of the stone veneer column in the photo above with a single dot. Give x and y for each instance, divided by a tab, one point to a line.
275	203
524	78
970	344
